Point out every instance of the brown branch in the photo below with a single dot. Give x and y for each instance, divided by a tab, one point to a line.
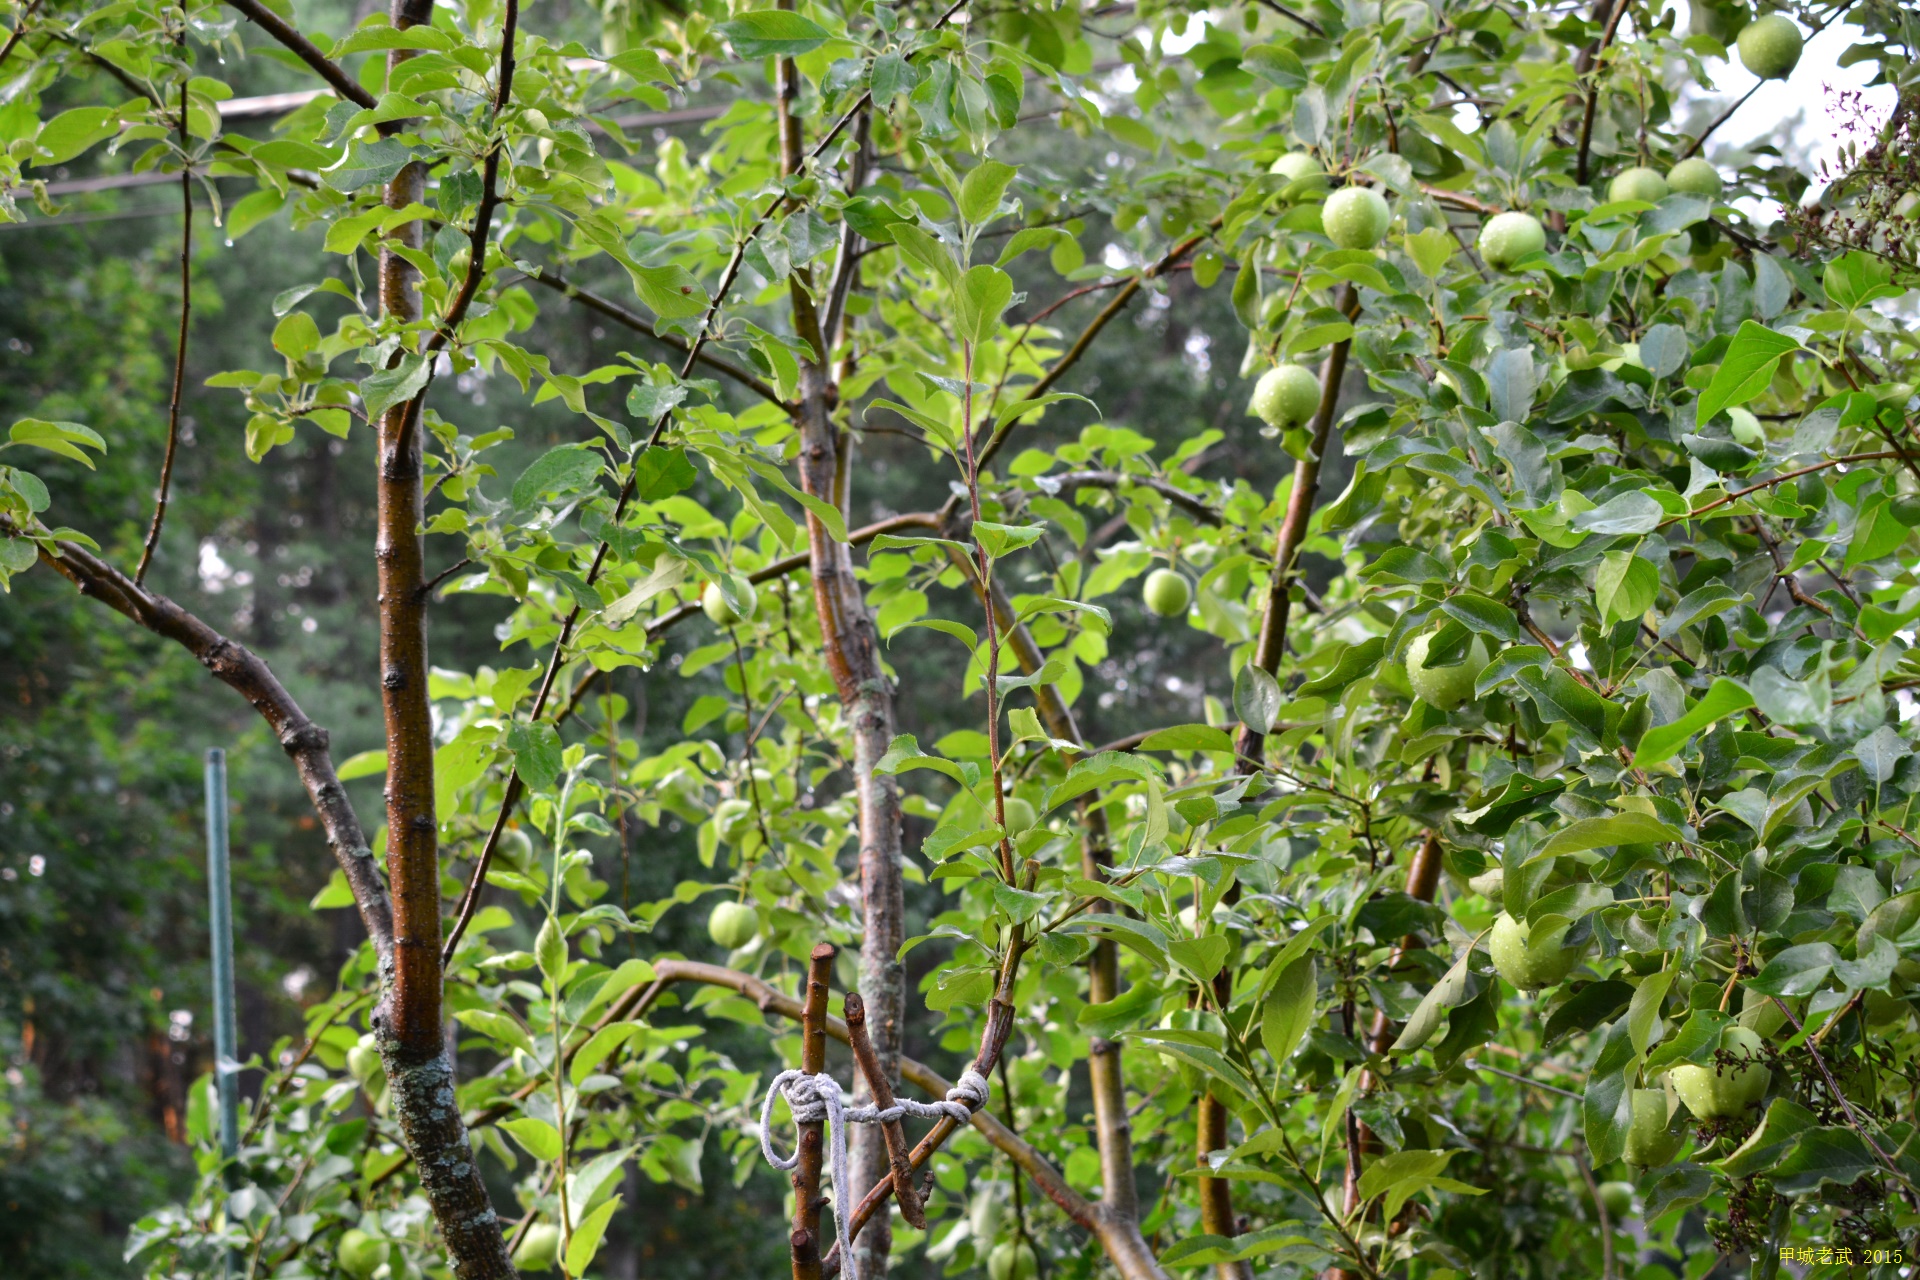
180	347
305	50
1460	200
489	193
241	670
1853	1116
1291	16
1581	167
1080	345
1693	148
898	1155
19	30
433	583
804	1241
640	324
1272	642
1069	482
1737	494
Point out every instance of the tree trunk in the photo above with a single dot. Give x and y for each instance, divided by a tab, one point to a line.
866	698
409	1022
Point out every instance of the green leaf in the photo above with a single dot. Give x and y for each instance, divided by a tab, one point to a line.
550	950
368	163
1644	1010
1256	698
1746	369
999	539
1425	1021
540	1139
566	469
1625	586
668	572
1797	971
1663	742
983	293
1287	1013
71	132
983	189
1822	1157
1607	1107
68	439
1488	617
588	1235
598	1048
385	388
1202	956
1107	1020
774	33
1187	737
497	1027
661	473
1599	833
536	754
1141	935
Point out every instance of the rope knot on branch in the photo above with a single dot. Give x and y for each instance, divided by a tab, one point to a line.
819	1099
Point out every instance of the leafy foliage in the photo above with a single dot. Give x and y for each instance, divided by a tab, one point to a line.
1650	490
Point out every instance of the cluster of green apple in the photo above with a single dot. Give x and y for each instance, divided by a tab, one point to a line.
1726	1087
1358	217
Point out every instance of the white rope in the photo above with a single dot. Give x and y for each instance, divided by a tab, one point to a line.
814	1099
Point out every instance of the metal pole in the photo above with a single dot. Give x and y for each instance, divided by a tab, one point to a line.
226	1049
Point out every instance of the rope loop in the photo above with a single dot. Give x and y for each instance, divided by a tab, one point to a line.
819	1099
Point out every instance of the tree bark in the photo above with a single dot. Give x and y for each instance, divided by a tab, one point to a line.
1272	642
866	697
804	1241
409	1024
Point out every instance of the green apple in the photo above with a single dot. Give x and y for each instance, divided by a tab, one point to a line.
1770	47
1746	428
1020	816
539	1248
1695	177
1286	396
1444	687
1509	237
1649	1145
1355	217
714	604
1618	1197
363	1062
1300	166
1529	960
984	1214
1638	183
1013	1260
360	1254
1719	1090
1166	593
733	925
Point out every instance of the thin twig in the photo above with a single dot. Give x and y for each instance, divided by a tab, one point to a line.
1693	148
1291	16
19	30
305	50
180	346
